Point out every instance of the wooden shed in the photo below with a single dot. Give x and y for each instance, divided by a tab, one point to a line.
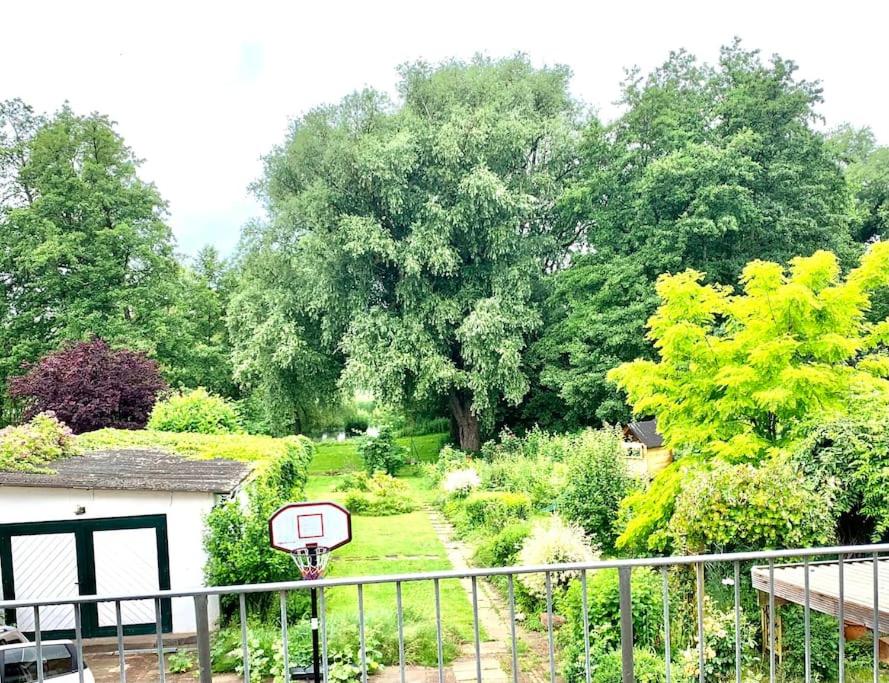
645	450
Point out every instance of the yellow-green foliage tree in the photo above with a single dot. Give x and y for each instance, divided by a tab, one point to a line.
743	377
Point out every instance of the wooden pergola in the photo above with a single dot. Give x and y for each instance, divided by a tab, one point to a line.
789	586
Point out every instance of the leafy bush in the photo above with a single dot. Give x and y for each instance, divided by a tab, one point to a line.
89	385
180	662
496	509
851	457
596	482
537	476
719	646
824	644
449	459
381	453
236	538
502	549
356	423
648	667
553	542
743	507
263	649
460	483
31	447
378	495
196	411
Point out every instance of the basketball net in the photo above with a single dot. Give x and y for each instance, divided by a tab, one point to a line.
311	561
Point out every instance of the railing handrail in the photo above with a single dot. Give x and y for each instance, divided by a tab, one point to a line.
869	549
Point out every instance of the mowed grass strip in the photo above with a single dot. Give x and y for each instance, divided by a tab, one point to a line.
342	456
398	544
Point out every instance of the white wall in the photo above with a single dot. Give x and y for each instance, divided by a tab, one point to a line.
185	527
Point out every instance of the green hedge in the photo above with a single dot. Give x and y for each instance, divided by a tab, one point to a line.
496	509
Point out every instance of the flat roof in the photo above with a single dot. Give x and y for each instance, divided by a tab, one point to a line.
135	469
824	588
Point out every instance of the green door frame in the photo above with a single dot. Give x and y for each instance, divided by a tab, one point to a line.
86	567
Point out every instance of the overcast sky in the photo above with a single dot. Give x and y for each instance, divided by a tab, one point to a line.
201	90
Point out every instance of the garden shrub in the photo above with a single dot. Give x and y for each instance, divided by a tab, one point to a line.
448	460
378	495
719	646
648	667
236	538
88	385
460	483
824	644
744	507
195	411
31	447
496	509
851	457
540	478
596	482
502	549
553	542
603	602
381	453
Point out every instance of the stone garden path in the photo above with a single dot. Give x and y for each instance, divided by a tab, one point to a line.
493	614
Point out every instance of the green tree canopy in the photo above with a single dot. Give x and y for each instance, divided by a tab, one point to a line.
744	376
710	167
418	231
86	251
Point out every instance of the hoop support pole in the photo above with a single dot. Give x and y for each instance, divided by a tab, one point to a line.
316	647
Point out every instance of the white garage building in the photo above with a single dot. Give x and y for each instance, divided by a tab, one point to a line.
110	522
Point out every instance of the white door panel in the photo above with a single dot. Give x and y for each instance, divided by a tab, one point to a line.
126	563
45	566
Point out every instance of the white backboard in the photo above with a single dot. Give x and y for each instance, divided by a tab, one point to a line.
306	525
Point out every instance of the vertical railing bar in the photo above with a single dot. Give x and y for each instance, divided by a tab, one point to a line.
399	611
38	642
549	627
121	655
772	621
285	638
841	617
245	643
876	629
78	641
440	651
666	599
475	634
699	598
362	643
159	635
737	587
807	623
325	664
625	575
510	590
584	600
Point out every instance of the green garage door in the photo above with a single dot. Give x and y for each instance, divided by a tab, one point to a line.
111	556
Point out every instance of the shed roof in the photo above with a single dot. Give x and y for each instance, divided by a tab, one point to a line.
824	588
646	433
136	469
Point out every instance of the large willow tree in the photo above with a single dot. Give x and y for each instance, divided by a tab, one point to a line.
417	231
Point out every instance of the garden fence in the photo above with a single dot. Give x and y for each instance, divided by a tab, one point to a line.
769	564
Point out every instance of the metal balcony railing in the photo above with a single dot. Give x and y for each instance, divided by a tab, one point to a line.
860	597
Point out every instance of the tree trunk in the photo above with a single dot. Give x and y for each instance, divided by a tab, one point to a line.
467	432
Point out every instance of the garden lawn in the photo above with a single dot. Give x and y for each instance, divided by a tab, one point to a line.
342	456
397	544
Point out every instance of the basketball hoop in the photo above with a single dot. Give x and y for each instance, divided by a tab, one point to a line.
308	532
311	561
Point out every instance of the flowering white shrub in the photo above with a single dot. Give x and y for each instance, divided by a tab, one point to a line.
460	482
553	542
